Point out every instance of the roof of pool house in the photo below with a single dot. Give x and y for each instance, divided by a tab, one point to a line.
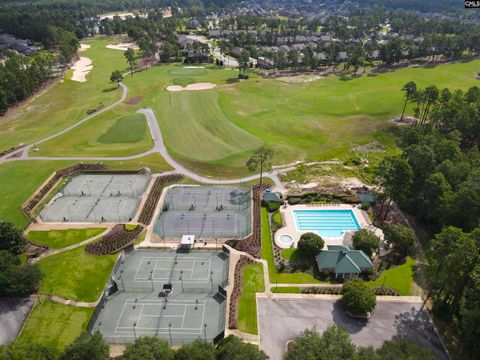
269	196
343	260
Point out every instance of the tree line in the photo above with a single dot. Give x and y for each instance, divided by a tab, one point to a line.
437	179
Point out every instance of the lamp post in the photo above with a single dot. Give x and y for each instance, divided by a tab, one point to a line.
211	279
181	278
170	332
134	332
151	279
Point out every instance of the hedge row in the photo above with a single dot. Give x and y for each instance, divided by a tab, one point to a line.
154	196
252	244
346	198
237	291
115	240
379	290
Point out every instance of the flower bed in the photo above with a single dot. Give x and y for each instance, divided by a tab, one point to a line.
115	240
252	244
379	290
154	196
237	291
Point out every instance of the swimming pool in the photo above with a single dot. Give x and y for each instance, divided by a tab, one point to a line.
326	223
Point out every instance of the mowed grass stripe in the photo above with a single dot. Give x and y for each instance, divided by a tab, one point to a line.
194	127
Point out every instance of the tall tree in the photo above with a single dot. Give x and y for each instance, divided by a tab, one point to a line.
232	348
263	158
410	89
116	77
130	56
148	348
86	346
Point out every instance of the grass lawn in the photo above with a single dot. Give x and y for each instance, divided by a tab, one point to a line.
19	179
286	290
117	132
252	282
267	254
55	324
398	277
58	239
65	102
75	274
291	254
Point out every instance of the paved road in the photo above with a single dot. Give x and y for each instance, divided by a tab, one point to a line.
13	313
388	320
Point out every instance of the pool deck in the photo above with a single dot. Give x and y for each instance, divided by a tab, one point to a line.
291	229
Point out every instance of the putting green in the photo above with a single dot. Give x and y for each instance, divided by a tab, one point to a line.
128	129
188	71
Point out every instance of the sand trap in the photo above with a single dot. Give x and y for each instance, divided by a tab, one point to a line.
300	79
83	47
122	46
191	87
194	67
81	68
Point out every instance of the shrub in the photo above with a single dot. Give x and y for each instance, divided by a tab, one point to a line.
17	280
366	205
148	348
366	241
358	299
310	244
401	239
273	206
11	239
87	346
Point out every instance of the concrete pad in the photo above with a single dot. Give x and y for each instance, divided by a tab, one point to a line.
281	320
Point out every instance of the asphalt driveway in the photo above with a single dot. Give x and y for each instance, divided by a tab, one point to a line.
281	320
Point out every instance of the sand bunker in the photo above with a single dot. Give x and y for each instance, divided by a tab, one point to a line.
122	46
191	87
300	79
83	47
194	67
81	68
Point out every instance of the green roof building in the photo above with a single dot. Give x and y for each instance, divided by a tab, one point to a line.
343	262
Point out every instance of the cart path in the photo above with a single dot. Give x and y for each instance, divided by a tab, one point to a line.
159	147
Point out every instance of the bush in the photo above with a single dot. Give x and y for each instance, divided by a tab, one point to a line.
86	346
310	244
11	239
358	299
17	280
401	239
366	205
366	241
273	206
403	349
147	348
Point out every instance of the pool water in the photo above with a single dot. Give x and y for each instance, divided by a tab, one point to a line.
285	240
326	223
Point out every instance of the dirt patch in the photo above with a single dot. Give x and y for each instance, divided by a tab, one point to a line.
324	184
374	146
191	87
134	100
300	79
81	68
407	120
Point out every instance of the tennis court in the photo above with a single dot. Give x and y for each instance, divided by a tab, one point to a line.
206	212
97	197
195	308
